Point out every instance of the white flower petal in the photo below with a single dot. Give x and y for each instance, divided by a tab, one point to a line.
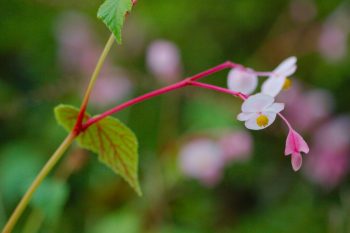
275	107
241	81
271	116
257	103
243	116
273	85
286	66
290	71
251	123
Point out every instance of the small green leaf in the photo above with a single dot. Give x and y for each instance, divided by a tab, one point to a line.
114	142
112	13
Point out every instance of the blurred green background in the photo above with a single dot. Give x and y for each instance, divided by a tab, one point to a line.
47	52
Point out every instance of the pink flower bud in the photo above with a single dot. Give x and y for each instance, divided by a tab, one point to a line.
295	144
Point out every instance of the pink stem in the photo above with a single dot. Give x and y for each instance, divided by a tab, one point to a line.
286	121
215	69
186	82
219	89
183	83
133	102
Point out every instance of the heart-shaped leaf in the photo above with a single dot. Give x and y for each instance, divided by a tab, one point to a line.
112	13
114	142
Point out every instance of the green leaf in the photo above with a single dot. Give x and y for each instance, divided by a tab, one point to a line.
114	142
112	13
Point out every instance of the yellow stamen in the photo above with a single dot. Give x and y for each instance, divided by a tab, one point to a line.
287	84
262	121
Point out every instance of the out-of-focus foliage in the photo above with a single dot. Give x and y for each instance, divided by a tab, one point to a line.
48	50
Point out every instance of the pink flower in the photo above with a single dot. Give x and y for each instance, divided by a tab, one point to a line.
327	168
202	159
259	111
329	160
236	146
243	81
316	104
295	144
163	60
302	11
78	51
112	87
332	43
274	84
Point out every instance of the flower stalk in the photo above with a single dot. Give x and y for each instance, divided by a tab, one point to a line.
80	126
36	183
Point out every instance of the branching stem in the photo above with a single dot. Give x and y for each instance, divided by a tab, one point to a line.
80	126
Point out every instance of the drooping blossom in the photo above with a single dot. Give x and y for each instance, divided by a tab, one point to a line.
202	159
329	160
241	80
259	111
295	145
236	145
278	78
163	61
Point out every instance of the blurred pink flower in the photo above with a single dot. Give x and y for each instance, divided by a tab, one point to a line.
329	159
111	87
236	146
327	168
79	52
295	145
316	104
202	159
163	60
302	10
333	42
76	43
334	135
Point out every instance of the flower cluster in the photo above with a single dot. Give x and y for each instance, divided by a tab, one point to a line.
260	110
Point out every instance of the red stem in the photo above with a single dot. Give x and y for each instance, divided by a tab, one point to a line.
183	83
219	89
286	121
191	81
136	100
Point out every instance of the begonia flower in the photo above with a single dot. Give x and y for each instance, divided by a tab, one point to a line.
242	81
295	145
259	111
278	78
202	159
237	146
163	60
